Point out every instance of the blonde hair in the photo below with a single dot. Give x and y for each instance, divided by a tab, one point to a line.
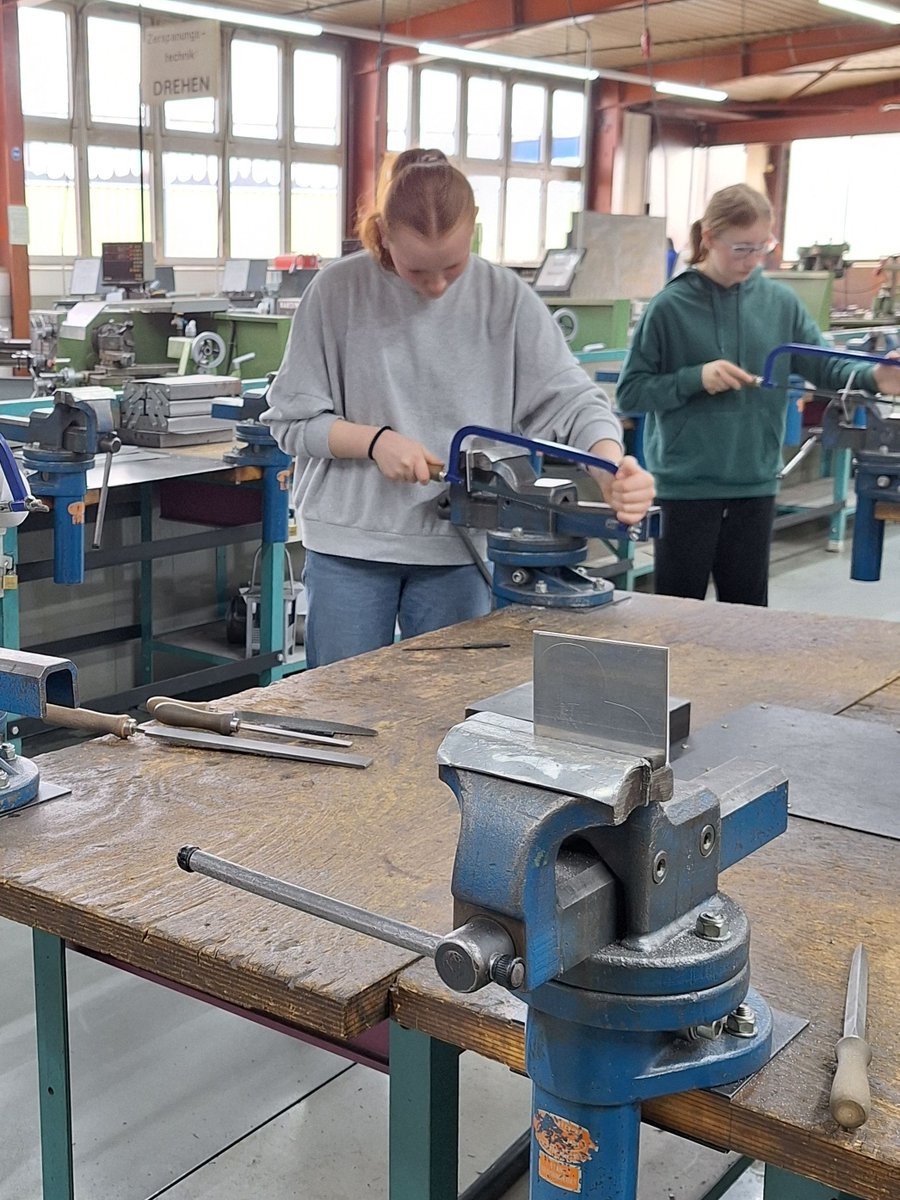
739	205
419	190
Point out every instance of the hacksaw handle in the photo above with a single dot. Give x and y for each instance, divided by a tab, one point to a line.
850	1096
185	717
90	721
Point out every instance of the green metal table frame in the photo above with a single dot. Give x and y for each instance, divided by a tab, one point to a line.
423	1105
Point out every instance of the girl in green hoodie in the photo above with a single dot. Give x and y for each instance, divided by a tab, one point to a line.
712	437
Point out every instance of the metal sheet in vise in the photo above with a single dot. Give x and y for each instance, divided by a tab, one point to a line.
842	771
519	702
575	680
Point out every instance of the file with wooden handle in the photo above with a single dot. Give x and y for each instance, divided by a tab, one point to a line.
184	716
850	1095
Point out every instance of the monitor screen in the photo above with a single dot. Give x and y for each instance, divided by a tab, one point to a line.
556	272
85	279
128	264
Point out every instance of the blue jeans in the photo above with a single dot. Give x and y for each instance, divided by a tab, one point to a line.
353	603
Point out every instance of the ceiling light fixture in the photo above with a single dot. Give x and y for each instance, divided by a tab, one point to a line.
690	91
510	62
866	8
234	16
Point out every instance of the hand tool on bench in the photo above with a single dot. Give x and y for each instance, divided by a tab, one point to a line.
185	716
90	721
299	724
199	739
850	1096
458	646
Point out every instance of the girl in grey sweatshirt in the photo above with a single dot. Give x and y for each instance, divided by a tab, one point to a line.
391	351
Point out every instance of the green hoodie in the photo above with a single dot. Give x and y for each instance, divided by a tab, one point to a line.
705	447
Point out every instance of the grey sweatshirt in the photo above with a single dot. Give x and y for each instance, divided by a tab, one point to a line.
366	347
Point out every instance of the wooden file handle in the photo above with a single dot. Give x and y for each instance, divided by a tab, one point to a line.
92	722
850	1097
186	717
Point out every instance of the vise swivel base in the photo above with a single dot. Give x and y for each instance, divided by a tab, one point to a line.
586	882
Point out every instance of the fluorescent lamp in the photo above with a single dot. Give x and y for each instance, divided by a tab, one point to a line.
865	8
510	62
690	91
233	16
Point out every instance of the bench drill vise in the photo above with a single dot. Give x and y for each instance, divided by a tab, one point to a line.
537	527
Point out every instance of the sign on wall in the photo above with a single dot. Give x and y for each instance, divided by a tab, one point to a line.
180	62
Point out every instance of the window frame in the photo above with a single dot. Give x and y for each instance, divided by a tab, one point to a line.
80	131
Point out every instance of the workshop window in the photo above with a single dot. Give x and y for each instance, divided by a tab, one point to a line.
190	205
44	60
114	71
566	129
255	88
563	199
317	98
484	118
195	115
316	209
829	206
115	186
399	83
50	197
529	106
487	200
438	109
522	227
255	196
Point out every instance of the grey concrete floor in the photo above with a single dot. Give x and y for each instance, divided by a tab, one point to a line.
174	1098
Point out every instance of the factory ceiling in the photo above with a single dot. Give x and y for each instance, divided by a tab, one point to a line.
787	65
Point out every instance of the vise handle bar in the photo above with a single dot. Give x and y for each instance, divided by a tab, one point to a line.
767	380
535	445
478	953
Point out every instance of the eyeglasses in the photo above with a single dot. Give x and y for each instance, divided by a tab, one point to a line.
751	249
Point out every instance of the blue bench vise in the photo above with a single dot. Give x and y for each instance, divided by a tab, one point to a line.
598	877
586	882
871	429
60	445
28	683
537	526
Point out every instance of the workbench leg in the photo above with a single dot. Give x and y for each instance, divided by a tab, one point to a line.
51	1018
424	1117
841	461
782	1185
271	606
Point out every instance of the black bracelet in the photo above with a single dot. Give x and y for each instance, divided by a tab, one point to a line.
382	430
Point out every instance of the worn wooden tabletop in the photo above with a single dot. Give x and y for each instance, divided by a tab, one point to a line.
98	867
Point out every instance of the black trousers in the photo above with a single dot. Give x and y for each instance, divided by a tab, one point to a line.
726	539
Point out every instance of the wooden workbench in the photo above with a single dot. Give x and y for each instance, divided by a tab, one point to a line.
98	867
